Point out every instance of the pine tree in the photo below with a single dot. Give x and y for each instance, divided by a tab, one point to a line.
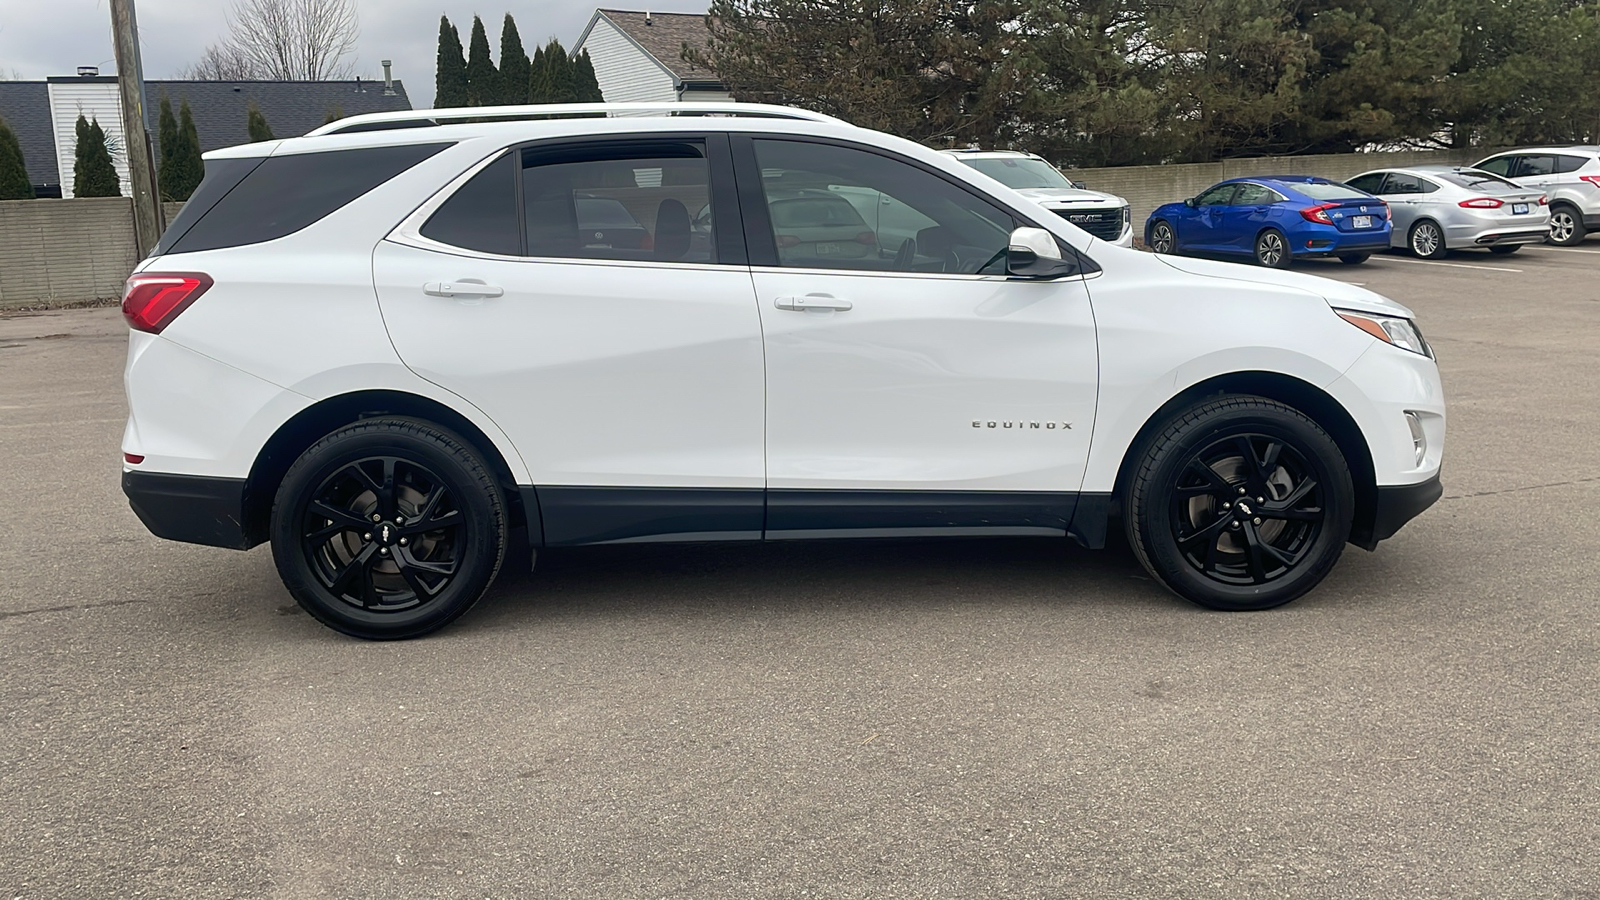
93	174
538	80
256	124
557	82
181	169
450	73
483	82
514	66
80	153
14	183
586	86
167	135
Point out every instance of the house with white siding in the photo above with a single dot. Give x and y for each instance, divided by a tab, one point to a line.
638	56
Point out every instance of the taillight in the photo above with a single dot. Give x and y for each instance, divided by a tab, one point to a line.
868	238
1318	214
786	241
1482	203
1388	215
1544	199
1592	179
153	299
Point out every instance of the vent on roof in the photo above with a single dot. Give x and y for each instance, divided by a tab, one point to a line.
88	71
647	20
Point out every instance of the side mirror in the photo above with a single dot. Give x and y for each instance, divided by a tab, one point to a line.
1189	202
1034	253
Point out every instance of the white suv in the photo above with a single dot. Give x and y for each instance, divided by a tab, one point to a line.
1106	216
397	344
1569	176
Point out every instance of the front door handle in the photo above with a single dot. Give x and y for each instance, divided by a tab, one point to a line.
813	301
463	287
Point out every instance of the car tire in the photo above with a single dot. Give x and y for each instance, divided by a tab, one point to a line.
1234	532
1505	251
1272	249
1426	240
389	528
1162	238
1566	226
1354	259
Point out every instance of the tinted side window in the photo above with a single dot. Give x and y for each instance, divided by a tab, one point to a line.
482	214
626	200
1255	195
222	176
286	193
1217	196
840	208
1500	165
1537	165
1427	186
1565	164
1402	183
1371	184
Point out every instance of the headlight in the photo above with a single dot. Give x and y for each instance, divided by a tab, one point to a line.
1127	215
1402	333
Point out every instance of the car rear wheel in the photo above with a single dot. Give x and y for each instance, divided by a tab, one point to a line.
1426	240
1505	251
1240	503
1272	249
1566	226
1162	239
389	528
1354	259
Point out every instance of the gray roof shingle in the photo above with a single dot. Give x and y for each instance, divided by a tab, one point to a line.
25	105
665	36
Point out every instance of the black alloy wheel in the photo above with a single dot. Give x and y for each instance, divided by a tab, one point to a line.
1162	239
389	528
1241	503
1272	249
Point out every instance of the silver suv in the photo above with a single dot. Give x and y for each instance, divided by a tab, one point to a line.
1569	176
1105	216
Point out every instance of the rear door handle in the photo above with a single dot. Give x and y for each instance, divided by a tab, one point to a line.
465	287
813	301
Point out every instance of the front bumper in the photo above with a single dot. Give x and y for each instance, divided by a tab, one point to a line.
194	509
1396	505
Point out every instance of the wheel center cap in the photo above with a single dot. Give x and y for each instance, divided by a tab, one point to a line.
1243	508
386	534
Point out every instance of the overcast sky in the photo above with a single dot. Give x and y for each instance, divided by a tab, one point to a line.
39	38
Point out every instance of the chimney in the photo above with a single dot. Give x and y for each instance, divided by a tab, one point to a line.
388	79
88	71
647	18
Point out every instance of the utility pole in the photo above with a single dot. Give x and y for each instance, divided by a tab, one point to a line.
147	219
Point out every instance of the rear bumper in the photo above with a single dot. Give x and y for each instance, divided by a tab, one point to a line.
1324	240
194	509
1512	237
1396	505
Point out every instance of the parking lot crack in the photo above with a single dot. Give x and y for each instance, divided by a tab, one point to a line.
1529	487
68	608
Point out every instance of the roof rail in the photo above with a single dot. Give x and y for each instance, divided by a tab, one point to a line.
419	118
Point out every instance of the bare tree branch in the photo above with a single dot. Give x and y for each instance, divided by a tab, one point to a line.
283	40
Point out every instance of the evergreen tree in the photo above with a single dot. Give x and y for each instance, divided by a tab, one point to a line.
93	174
557	82
483	82
14	183
587	87
181	169
514	66
256	124
80	152
167	137
538	81
450	73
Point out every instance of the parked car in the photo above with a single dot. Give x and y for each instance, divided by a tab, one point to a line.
1106	216
386	348
1273	220
1569	176
1437	209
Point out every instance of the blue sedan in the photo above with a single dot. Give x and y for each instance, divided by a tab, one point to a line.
1276	220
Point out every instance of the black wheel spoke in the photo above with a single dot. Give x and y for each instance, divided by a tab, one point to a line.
435	567
1209	532
1254	550
1214	483
408	571
359	568
341	519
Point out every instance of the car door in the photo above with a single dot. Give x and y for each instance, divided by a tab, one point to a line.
918	389
1202	228
628	371
1249	210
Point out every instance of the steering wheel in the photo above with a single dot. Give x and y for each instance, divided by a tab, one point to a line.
906	255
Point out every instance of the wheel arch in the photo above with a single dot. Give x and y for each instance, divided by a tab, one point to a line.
311	424
1316	403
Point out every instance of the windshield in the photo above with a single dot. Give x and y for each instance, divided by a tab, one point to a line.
1476	180
1020	172
1327	190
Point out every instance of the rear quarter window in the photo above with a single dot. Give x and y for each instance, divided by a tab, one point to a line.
284	194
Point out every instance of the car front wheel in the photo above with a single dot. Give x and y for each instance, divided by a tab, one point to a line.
1239	503
1162	239
388	528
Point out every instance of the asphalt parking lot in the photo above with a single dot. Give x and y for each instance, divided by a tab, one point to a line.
970	719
